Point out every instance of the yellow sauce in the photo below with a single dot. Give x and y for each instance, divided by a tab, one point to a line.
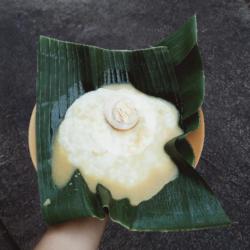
153	165
62	169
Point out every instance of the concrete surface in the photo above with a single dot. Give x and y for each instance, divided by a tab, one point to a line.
224	38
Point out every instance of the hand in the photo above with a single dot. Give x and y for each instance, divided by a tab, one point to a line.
80	234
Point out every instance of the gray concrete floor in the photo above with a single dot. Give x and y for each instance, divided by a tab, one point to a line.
224	39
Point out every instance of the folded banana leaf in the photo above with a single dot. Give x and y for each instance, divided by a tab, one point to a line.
172	70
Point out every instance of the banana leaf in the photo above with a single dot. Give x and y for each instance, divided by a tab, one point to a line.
172	70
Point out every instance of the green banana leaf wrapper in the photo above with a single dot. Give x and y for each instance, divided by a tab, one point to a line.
172	70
